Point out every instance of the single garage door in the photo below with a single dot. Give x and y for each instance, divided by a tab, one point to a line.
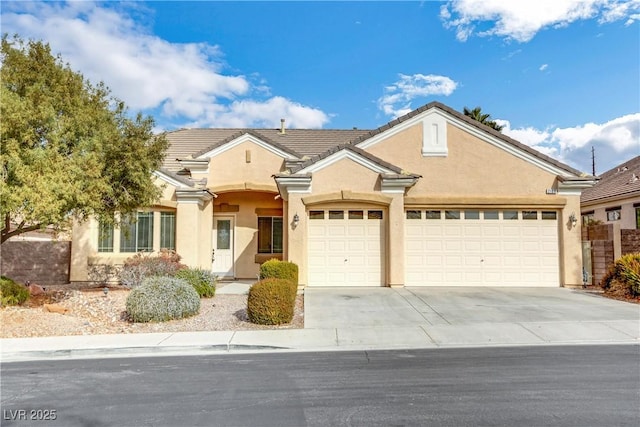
346	247
449	247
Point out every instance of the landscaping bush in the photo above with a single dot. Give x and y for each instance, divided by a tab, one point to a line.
276	269
271	302
623	277
12	293
159	299
142	265
203	281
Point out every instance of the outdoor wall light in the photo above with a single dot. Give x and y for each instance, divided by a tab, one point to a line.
296	220
573	219
105	290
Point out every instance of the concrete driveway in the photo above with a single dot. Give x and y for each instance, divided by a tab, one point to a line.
471	316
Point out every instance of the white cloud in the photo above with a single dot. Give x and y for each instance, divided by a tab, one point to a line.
184	81
543	67
398	96
520	20
615	141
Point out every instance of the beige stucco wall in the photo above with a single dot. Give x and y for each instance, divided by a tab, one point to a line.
627	211
231	166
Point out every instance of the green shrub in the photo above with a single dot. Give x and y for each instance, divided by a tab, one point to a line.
142	265
159	299
276	269
203	281
271	302
623	277
12	293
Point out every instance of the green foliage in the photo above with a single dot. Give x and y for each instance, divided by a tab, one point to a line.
143	265
203	281
484	118
12	293
623	276
277	269
159	299
69	150
271	302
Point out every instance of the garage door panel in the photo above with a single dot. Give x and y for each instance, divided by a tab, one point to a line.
489	252
347	252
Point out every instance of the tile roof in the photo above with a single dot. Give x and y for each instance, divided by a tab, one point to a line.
299	142
618	182
316	143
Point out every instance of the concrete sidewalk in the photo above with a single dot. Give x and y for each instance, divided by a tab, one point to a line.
381	318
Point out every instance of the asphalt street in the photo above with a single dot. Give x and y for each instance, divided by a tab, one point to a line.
508	386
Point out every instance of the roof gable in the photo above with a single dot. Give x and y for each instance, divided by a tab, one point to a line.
483	132
246	136
350	152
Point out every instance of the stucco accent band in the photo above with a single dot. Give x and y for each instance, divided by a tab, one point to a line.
467	201
244	186
350	196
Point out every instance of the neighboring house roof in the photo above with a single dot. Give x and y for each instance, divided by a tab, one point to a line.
313	145
619	182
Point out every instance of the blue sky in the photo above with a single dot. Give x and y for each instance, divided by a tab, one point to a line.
562	76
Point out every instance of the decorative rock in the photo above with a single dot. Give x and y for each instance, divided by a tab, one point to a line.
56	308
35	289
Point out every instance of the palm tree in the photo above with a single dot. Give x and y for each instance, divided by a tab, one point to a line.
485	119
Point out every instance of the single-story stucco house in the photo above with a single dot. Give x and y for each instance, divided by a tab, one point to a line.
615	199
432	198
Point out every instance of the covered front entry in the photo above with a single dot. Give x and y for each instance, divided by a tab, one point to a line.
346	247
481	247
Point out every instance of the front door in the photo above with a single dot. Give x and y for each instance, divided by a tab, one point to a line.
223	246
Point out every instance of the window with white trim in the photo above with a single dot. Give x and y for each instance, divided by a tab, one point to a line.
270	234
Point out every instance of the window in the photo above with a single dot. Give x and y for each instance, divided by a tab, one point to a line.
136	234
432	214
356	214
168	230
490	214
549	215
471	214
336	214
587	218
451	214
613	215
270	234
637	218
414	214
529	214
374	215
105	238
510	215
316	214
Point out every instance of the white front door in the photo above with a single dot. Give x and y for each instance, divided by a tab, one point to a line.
223	246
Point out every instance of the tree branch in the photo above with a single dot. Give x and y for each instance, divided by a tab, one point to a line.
6	234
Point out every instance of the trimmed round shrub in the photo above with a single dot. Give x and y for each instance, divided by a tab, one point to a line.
142	265
276	269
203	281
271	302
623	277
12	293
159	299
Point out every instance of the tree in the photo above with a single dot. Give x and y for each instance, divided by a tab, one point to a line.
485	119
69	150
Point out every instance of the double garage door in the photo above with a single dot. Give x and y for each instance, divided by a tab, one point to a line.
481	248
443	247
346	247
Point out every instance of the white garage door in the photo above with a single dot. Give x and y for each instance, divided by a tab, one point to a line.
481	248
346	247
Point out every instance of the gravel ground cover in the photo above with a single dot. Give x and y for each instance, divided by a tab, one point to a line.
90	312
